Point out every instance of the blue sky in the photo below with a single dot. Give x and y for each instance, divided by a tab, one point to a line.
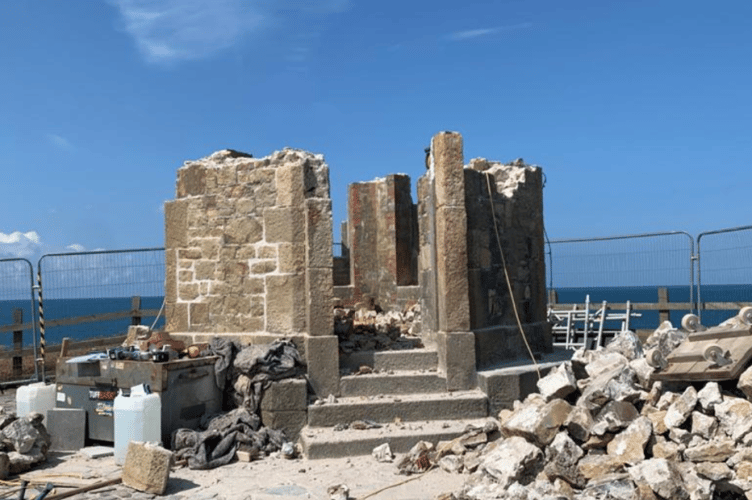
639	112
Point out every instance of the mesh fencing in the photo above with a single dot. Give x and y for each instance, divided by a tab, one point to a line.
725	271
99	294
17	325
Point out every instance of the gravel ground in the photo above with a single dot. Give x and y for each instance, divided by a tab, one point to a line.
272	478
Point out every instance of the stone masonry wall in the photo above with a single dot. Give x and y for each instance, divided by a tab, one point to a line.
381	234
248	245
516	200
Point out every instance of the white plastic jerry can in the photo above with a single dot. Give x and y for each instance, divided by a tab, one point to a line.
138	417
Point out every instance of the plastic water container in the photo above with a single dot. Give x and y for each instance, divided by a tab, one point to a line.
138	417
38	397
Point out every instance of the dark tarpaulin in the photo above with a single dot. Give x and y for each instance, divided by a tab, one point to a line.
250	371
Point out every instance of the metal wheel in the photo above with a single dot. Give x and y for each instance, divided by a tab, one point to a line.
655	359
691	323
716	355
745	315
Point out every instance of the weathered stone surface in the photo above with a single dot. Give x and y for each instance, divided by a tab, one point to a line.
627	344
537	422
663	477
629	445
734	417
558	383
451	463
578	423
22	462
741	455
715	471
147	467
597	442
657	418
383	453
611	486
21	435
613	417
668	450
666	338
514	459
562	456
643	371
680	409
605	362
745	382
698	487
666	400
718	450
709	396
703	425
4	465
593	466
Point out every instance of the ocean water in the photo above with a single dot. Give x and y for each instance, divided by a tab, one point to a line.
73	308
70	308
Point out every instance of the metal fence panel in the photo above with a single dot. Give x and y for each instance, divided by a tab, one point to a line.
98	294
618	269
724	273
17	321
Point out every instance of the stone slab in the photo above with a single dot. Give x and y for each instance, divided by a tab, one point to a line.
326	443
402	382
408	359
147	467
285	395
408	408
291	422
67	428
97	451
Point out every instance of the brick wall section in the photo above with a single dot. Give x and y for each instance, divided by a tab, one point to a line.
382	240
248	245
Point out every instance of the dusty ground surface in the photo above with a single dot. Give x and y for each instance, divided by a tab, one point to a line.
268	479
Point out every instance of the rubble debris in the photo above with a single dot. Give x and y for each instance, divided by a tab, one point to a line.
338	492
626	436
24	442
371	329
383	453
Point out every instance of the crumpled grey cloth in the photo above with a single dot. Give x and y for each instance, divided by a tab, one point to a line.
257	366
216	446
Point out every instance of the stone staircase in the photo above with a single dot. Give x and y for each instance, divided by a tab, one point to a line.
402	402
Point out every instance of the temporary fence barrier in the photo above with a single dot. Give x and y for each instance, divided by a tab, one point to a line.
17	324
724	272
99	293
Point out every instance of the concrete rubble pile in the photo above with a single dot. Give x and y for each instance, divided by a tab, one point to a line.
369	329
600	429
23	443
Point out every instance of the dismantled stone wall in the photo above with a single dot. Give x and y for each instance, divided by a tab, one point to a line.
248	251
504	205
381	238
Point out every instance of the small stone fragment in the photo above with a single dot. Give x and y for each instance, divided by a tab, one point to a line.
629	445
338	492
718	450
663	477
709	396
147	467
681	408
558	383
383	453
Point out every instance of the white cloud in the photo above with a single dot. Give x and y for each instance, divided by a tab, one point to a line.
481	32
75	247
19	245
172	30
60	142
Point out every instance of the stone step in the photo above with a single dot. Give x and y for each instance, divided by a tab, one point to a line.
408	408
407	359
324	442
397	382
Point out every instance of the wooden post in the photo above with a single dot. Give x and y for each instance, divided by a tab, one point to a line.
553	297
663	312
18	344
136	310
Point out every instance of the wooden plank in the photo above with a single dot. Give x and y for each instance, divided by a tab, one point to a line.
670	306
93	318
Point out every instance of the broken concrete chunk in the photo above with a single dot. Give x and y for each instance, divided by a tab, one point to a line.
681	408
718	450
593	466
699	488
338	492
715	471
513	459
657	418
536	423
147	467
643	371
613	417
451	463
578	423
559	383
383	453
709	396
663	477
703	425
629	445
562	456
734	417
627	344
605	362
668	450
22	435
666	400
